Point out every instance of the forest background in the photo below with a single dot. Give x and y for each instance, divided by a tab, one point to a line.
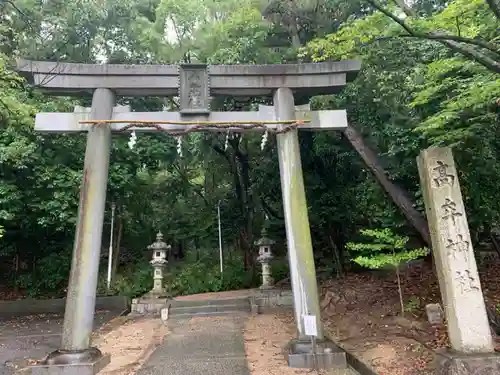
430	77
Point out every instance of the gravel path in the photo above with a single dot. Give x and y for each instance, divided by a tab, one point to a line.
24	340
201	346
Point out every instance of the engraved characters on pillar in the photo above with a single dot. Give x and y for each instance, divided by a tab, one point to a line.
450	211
467	281
458	246
442	177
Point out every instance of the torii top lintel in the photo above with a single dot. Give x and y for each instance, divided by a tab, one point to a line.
170	80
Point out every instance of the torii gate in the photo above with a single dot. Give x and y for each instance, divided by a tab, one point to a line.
194	84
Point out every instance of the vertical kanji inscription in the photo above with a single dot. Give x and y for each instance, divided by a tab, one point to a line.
194	89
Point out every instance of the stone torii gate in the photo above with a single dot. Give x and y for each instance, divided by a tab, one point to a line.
194	84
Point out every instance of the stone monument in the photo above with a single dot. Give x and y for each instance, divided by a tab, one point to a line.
465	311
434	314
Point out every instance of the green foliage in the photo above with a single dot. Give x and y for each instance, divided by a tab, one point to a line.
412	304
50	277
457	100
384	249
132	281
280	269
413	92
203	275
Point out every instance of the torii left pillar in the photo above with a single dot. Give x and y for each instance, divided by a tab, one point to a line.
76	351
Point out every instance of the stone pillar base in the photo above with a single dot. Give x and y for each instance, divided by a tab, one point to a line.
266	286
300	354
269	300
152	294
453	363
60	362
147	305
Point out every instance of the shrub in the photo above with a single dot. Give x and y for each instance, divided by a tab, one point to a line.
49	278
204	276
385	249
133	281
280	269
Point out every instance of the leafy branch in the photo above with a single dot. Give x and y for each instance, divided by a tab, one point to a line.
453	42
495	7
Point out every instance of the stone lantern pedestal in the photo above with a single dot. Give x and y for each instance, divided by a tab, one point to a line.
152	302
265	257
158	290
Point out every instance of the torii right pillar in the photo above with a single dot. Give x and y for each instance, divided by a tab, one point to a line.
310	349
472	351
298	234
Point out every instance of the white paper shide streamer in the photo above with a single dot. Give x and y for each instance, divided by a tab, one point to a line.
179	146
132	140
263	142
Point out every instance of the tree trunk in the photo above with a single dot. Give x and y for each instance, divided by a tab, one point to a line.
180	253
244	194
336	255
400	291
399	196
240	169
495	7
340	242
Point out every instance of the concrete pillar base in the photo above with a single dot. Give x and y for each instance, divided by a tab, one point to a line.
267	287
454	363
269	300
300	354
157	293
148	306
63	362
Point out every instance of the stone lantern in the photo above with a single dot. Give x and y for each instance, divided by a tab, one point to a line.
159	261
265	256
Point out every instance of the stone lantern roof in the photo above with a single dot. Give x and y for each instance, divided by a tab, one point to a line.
264	240
159	244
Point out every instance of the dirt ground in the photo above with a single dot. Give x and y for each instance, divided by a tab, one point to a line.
362	313
130	343
265	336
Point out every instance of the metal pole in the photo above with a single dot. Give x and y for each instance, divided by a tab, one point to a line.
110	253
220	239
300	252
82	288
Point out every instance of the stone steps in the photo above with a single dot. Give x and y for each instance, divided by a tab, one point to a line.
212	302
179	309
206	314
